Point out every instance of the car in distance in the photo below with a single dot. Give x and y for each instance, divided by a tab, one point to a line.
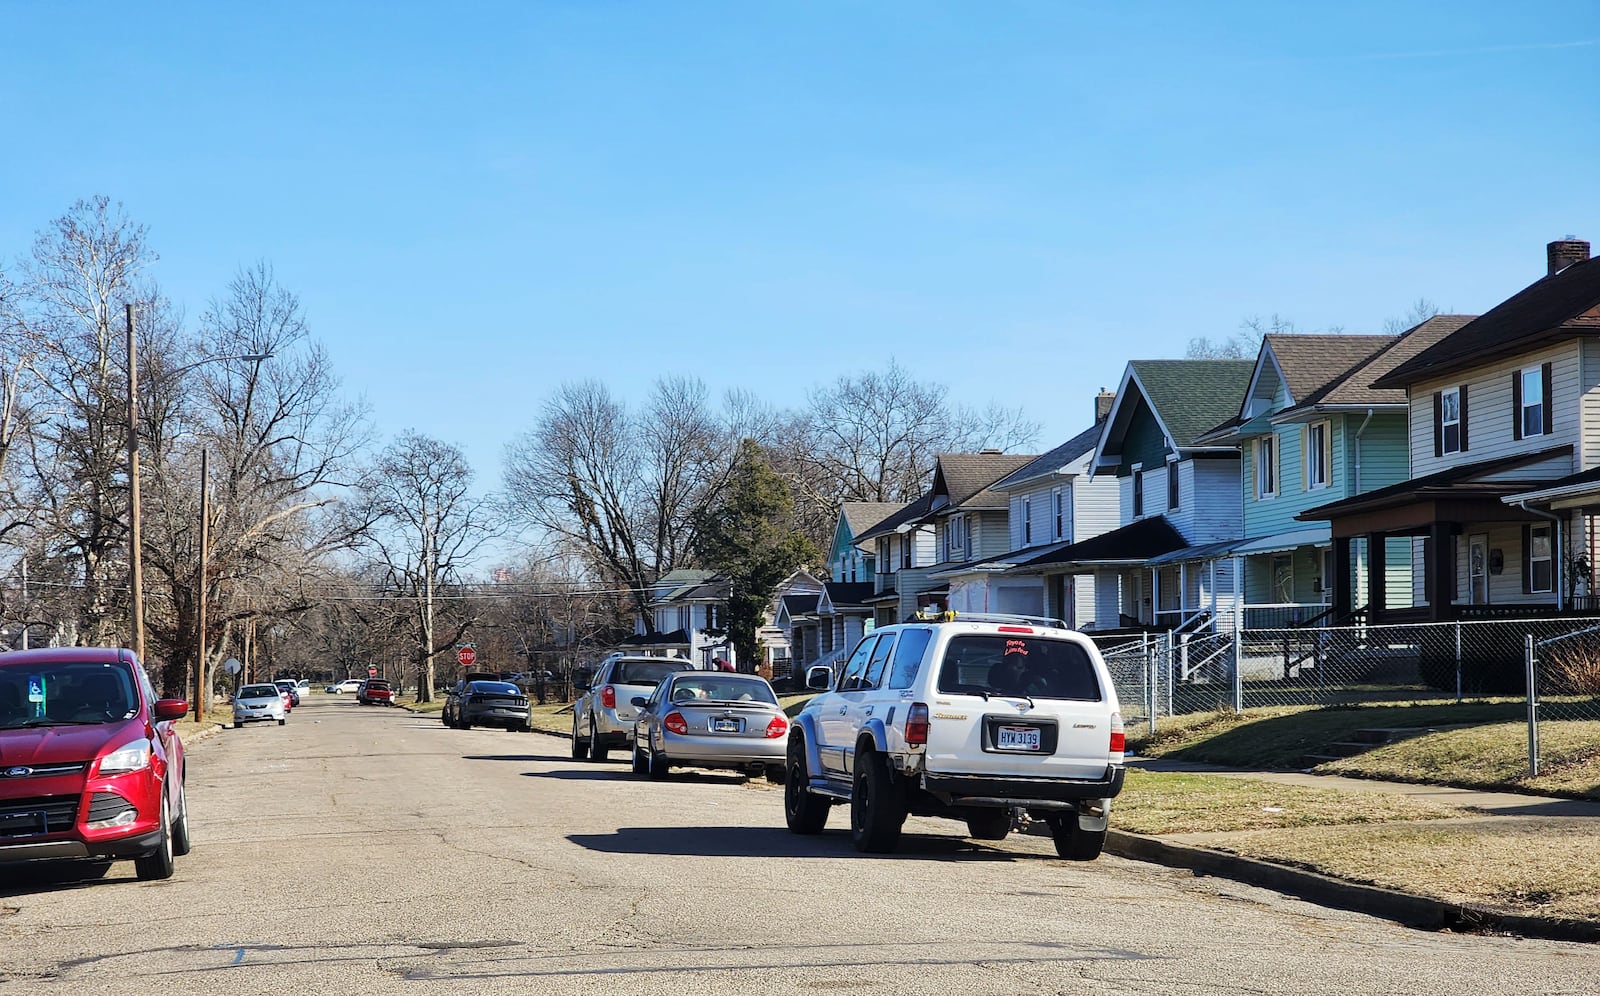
290	689
90	766
258	704
347	686
303	686
486	703
710	719
972	718
375	691
604	713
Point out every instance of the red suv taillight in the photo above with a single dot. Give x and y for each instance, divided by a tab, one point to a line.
1119	738
608	697
777	728
917	724
675	723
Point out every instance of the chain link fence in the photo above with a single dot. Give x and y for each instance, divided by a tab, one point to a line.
1563	672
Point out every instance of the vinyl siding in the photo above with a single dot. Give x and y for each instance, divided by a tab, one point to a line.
1385	457
1210	504
990	534
1270	516
1489	426
1144	441
1107	600
1505	588
1039	497
1096	506
1589	362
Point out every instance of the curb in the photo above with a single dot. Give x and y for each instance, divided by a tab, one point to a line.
1388	904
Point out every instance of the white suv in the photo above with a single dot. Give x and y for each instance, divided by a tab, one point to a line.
971	718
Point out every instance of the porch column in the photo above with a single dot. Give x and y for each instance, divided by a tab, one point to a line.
1377	563
1342	582
1439	563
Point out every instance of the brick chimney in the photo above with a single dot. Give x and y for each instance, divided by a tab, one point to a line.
1562	253
1102	405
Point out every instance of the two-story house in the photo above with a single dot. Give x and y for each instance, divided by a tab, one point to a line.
972	524
823	623
1311	428
689	608
904	549
1504	417
1053	503
1179	499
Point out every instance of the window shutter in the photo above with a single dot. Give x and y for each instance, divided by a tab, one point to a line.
1527	559
1438	424
1549	400
1516	404
1463	390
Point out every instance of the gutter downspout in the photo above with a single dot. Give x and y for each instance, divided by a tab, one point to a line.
1363	428
1558	570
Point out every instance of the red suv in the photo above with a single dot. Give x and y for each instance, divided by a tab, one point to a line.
90	767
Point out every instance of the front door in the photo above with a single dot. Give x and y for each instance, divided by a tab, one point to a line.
1478	569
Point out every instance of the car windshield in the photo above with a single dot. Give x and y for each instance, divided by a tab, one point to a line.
77	693
647	673
722	688
1001	664
258	692
495	688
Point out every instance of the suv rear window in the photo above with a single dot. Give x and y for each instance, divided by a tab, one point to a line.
1000	664
373	684
647	673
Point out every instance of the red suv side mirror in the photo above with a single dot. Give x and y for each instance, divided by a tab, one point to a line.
167	709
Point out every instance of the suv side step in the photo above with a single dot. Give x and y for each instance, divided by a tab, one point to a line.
819	787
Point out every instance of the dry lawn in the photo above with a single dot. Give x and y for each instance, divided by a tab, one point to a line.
1155	802
1494	756
1543	867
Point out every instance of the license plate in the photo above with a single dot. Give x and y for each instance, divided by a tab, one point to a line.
1017	738
22	824
724	726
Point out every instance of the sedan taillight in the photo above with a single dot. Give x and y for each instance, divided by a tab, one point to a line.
777	728
675	723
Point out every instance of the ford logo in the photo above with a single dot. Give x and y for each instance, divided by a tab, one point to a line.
18	772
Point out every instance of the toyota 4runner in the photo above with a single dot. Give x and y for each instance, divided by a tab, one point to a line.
973	718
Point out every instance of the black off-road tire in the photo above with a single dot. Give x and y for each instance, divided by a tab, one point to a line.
877	805
988	824
1073	843
776	774
804	812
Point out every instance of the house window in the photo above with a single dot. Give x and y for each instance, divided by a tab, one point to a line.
1541	566
905	550
1059	504
1138	493
711	617
1530	402
955	536
685	618
1319	449
1266	467
1451	410
1027	521
1172	487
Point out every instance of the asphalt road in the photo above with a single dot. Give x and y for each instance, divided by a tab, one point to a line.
361	850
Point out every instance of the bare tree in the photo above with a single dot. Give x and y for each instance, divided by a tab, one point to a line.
1422	309
428	530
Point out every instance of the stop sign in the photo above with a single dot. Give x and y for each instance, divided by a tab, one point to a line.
466	656
372	671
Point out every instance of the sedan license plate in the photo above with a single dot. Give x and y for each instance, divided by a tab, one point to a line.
1017	738
724	726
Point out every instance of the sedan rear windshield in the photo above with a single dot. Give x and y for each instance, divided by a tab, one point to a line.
259	692
999	664
68	693
648	673
723	688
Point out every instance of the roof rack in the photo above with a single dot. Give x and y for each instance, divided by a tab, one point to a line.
951	615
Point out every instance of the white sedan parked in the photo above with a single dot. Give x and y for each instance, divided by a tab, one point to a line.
351	685
258	704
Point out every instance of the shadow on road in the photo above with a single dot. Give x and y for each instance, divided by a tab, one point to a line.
21	879
584	774
524	758
774	842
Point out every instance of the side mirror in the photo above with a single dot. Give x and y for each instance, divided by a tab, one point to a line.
170	709
639	701
819	677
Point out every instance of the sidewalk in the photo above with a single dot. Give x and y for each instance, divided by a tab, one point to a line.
1206	853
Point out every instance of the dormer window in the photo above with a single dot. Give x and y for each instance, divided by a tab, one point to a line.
1530	402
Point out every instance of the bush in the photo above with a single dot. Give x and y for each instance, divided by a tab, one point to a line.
1572	667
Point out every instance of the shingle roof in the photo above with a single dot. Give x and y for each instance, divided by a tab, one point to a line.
910	513
963	477
1312	361
1554	307
1355	388
1053	461
1138	540
1192	396
849	592
861	516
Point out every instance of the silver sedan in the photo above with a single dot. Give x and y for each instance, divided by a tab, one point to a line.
711	719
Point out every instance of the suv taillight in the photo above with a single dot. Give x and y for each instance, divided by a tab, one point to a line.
1119	738
675	723
777	728
608	697
917	724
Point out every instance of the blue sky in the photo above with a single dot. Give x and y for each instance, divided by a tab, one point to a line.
478	201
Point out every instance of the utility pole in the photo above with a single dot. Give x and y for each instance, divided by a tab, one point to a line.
201	687
135	546
425	692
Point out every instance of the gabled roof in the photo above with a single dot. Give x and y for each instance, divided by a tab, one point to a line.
1310	362
965	478
849	592
800	605
1136	542
1355	387
861	516
1554	307
1054	462
689	584
1191	396
911	514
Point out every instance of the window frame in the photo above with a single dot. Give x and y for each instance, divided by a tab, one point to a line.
1138	490
1547	533
1318	454
1058	502
1172	486
1027	520
1266	458
1445	423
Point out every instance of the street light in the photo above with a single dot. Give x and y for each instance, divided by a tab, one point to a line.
135	545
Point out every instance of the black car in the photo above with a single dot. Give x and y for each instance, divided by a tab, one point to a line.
486	703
